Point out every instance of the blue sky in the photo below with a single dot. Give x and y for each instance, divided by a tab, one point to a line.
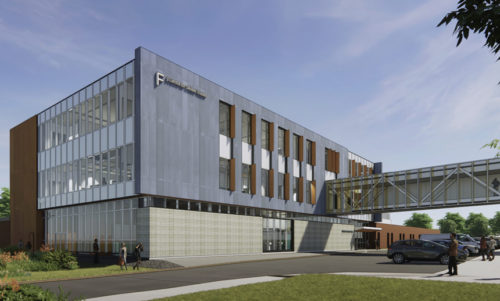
379	78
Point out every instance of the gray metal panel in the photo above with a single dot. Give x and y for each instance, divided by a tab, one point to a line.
177	140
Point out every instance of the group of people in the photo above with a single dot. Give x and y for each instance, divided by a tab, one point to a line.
487	248
122	259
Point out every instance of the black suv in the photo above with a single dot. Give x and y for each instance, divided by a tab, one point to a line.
405	250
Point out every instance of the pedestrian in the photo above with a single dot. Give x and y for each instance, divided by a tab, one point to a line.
20	244
137	253
483	248
452	255
96	251
28	246
491	248
123	256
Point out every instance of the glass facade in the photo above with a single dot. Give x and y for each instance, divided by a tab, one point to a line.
281	142
246	175
246	127
224	119
224	173
75	228
277	235
264	134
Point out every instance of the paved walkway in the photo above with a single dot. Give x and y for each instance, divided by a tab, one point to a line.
474	270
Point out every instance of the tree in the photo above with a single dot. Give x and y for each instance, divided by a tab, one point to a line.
447	226
420	220
477	224
495	223
5	202
457	219
478	16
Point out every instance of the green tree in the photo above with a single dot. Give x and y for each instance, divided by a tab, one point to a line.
5	202
447	226
457	219
477	16
477	224
420	220
495	223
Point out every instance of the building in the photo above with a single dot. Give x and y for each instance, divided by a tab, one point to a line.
153	152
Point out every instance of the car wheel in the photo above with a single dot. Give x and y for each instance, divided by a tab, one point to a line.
443	259
398	258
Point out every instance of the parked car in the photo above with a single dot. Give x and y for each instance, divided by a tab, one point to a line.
416	249
471	244
461	248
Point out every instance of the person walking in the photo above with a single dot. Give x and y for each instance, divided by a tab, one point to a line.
123	256
96	251
483	248
452	255
491	248
137	253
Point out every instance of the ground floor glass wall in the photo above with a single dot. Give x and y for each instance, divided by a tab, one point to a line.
277	235
75	228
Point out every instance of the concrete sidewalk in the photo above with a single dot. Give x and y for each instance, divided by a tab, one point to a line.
474	270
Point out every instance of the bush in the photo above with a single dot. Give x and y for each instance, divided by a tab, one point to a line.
13	291
62	259
12	250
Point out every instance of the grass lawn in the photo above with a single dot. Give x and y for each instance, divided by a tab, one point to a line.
338	287
78	273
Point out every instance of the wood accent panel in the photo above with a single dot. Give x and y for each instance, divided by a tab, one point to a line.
313	192
360	169
287	143
370	171
353	168
271	136
253	181
26	222
300	191
233	122
232	177
331	160
253	141
337	162
313	150
271	183
365	170
301	148
287	187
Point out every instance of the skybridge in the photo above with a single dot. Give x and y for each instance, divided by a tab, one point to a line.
452	185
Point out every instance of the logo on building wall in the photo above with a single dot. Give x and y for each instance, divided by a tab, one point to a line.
160	78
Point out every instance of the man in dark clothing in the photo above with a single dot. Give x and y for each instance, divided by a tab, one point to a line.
137	253
96	251
452	255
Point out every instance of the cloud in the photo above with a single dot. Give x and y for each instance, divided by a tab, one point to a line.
52	33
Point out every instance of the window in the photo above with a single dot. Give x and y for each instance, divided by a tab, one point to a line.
281	142
64	127
281	186
246	175
224	173
264	134
97	168
296	147
104	99
246	127
121	101
70	125
112	104
105	179
308	192
130	96
130	160
113	170
309	152
97	112
90	115
121	164
224	119
90	172
296	189
76	121
264	180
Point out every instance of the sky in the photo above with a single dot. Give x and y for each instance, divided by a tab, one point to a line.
375	76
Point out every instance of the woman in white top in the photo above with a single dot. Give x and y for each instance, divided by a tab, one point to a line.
123	256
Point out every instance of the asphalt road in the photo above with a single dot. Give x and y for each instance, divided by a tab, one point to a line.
104	286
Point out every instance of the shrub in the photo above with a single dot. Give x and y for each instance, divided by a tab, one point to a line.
12	250
63	259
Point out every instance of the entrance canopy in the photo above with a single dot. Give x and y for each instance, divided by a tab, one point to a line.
452	185
368	229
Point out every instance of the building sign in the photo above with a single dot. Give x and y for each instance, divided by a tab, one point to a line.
160	78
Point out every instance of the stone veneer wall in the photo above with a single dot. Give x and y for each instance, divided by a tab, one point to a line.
170	232
318	236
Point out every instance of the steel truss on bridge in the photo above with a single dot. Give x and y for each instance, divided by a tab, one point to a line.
451	185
